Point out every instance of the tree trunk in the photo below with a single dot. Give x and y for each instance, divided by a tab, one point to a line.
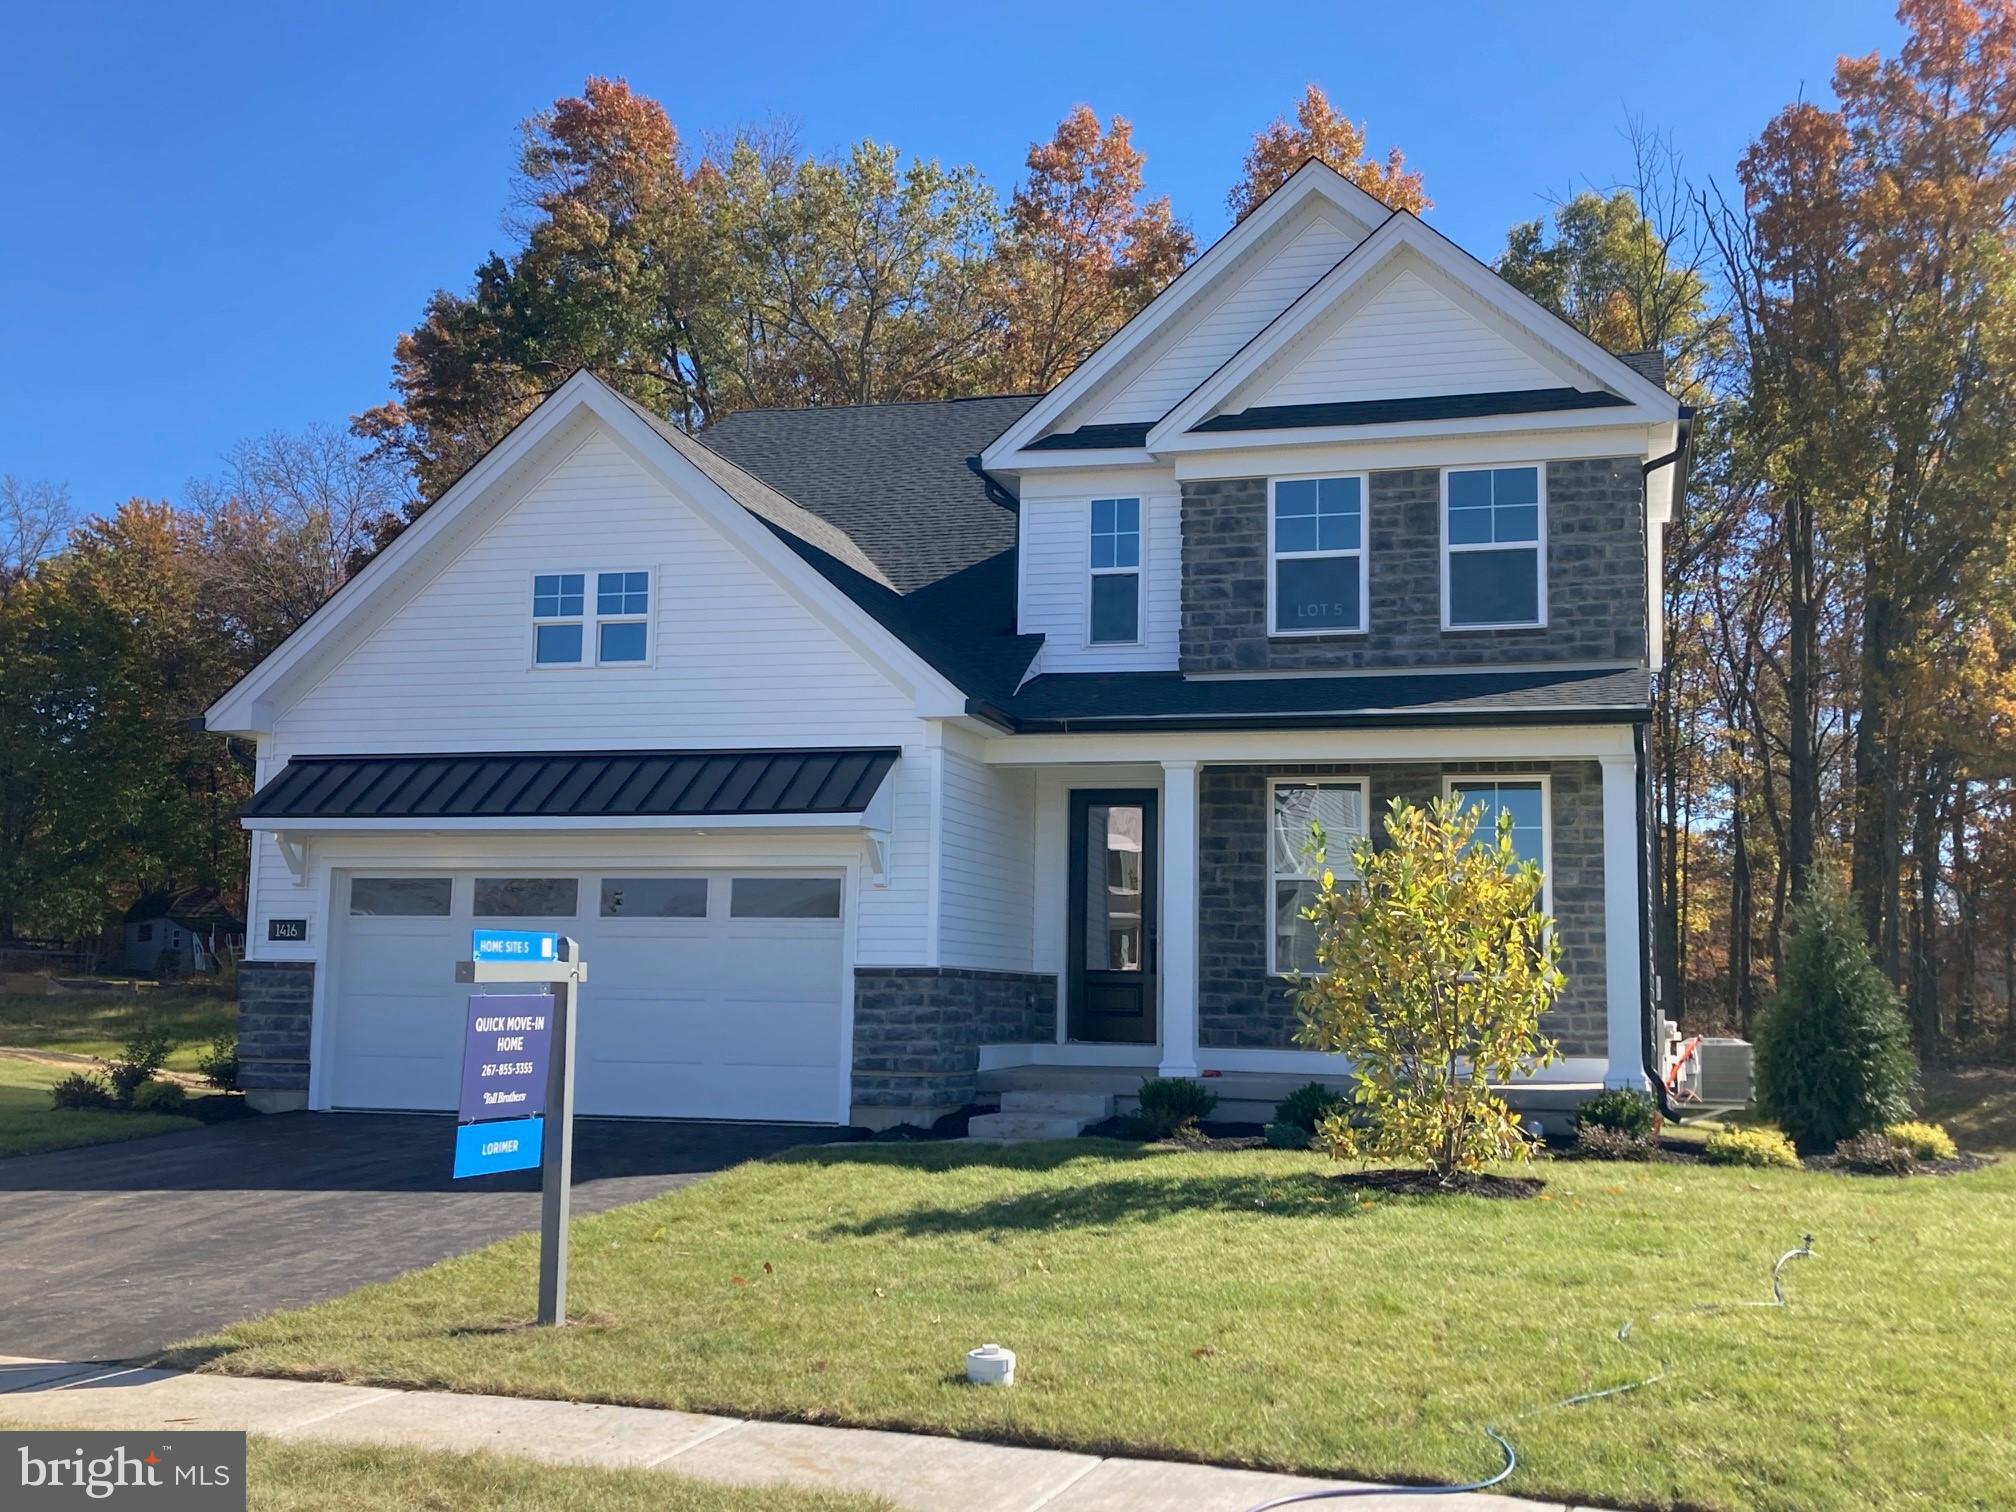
1802	739
1877	838
1925	1015
1966	963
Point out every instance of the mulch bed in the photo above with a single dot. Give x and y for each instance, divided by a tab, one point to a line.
1954	1167
1405	1183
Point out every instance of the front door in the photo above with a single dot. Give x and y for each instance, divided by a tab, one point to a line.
1113	871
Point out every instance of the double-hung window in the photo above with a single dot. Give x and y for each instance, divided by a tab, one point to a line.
1116	572
1526	800
1295	877
1494	548
608	627
1317	531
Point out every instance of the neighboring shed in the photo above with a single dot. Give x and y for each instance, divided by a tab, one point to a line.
176	934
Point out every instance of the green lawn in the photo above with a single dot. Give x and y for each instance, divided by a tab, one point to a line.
1246	1308
286	1476
28	1124
97	1023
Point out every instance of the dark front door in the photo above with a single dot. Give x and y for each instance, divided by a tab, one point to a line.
1113	870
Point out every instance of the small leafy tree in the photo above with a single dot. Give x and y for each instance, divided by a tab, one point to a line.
1833	1051
1436	966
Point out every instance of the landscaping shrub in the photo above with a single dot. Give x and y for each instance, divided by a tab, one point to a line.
1602	1142
1288	1136
1307	1106
1925	1141
1170	1102
1625	1110
1833	1052
1749	1147
219	1064
1874	1155
81	1090
146	1049
159	1097
1435	967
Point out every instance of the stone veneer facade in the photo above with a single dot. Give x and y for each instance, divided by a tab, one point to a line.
1596	606
276	1002
918	1032
1240	1006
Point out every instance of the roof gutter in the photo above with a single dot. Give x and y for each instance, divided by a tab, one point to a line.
1682	455
1319	720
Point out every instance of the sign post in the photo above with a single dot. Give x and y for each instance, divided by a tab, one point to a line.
518	1077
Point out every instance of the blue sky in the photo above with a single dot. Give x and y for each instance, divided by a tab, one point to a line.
220	215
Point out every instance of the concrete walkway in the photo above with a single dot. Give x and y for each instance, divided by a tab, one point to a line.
913	1471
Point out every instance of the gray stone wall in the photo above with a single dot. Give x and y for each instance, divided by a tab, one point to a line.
918	1030
1595	578
276	1002
1239	1005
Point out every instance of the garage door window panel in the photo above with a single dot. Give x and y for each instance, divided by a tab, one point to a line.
527	897
400	897
654	897
784	898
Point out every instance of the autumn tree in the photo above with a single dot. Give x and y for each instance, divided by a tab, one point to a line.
1083	251
1319	130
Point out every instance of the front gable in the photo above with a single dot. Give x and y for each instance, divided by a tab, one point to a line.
605	489
731	656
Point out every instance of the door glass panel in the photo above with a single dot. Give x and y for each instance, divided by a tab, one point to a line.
1113	883
526	897
398	898
654	897
784	898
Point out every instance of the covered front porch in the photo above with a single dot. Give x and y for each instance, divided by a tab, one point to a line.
1164	908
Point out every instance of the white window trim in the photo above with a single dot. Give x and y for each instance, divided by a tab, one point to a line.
1138	572
1363	553
1275	878
591	620
1540	550
1453	780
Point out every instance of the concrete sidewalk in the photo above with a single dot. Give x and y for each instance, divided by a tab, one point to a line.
912	1470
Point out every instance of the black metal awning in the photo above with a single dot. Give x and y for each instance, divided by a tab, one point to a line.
574	785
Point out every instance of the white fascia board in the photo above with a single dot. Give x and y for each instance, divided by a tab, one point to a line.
250	704
1470	743
934	694
504	824
1029	464
1381	448
1005	452
1516	315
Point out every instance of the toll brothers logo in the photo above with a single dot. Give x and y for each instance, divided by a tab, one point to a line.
177	1472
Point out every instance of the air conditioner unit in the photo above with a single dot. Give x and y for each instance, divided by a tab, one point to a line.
1724	1075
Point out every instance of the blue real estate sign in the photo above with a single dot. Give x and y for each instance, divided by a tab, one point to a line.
506	1048
513	945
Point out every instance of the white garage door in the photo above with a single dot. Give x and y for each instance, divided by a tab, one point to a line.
709	995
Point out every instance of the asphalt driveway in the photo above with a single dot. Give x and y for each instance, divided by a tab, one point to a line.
114	1251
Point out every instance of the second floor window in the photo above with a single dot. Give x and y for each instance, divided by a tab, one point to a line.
572	627
1116	572
1493	549
1318	562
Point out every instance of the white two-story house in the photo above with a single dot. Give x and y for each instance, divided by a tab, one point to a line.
880	756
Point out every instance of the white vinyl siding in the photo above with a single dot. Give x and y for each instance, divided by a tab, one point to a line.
1406	339
987	867
1056	583
1306	249
737	662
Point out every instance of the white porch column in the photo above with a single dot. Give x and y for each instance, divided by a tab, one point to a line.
1177	960
1623	940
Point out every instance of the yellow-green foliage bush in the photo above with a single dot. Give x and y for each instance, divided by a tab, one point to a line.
1435	970
1926	1141
1750	1147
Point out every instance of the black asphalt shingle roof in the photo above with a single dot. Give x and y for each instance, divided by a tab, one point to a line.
902	481
1425	407
573	784
1169	700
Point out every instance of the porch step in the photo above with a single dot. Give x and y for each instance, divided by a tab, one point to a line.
1090	1106
1014	1127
